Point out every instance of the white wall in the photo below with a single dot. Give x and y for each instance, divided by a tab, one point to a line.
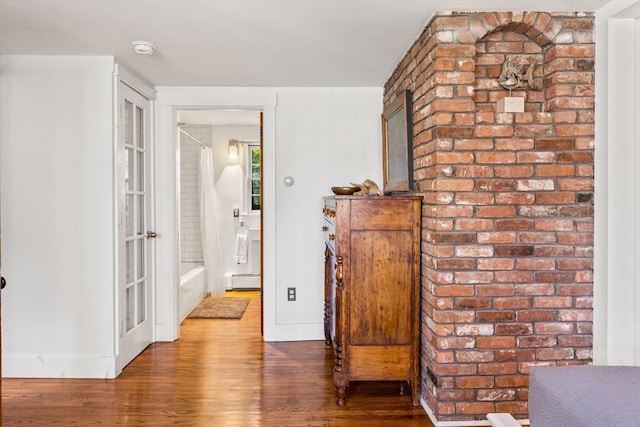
617	180
56	163
321	137
325	138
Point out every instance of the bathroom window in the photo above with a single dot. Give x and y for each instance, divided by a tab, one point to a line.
254	172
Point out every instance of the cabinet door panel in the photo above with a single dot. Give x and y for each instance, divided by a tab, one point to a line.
380	286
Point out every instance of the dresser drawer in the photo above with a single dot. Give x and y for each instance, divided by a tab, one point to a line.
329	226
330	234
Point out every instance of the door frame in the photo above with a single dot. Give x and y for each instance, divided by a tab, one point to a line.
616	306
170	100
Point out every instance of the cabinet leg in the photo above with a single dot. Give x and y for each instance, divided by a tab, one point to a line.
327	341
415	393
341	396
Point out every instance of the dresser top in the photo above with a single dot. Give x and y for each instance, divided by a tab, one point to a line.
385	197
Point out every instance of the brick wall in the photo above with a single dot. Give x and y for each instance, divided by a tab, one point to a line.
507	237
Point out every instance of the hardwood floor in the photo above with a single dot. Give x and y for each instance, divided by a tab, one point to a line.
219	373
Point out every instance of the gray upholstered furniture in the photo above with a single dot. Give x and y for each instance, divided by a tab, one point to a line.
584	396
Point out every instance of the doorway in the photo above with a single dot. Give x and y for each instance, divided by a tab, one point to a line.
169	101
220	217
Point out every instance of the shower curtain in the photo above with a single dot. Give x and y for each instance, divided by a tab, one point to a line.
211	247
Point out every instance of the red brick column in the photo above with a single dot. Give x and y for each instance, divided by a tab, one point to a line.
507	253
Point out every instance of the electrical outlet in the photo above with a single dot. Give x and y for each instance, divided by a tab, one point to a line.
291	294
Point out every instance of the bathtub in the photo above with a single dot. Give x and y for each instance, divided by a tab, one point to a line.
193	286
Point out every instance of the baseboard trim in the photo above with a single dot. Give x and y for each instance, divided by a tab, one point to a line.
103	367
294	332
437	423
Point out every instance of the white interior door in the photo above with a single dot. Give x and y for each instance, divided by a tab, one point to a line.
134	238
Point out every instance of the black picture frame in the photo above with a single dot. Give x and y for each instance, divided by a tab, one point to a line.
397	145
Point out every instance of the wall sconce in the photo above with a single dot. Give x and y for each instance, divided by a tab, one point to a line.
234	149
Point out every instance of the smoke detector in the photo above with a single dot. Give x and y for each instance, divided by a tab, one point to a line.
143	47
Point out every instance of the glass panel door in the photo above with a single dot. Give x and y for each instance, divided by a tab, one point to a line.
134	207
135	285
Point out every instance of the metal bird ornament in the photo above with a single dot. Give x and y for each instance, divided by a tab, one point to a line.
514	76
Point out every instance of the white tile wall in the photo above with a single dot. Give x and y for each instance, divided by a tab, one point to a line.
190	238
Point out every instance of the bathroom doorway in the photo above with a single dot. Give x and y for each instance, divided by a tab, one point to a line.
234	201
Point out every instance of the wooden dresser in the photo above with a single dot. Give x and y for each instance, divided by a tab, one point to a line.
372	289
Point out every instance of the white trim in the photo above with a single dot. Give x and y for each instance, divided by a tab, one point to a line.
216	97
636	191
117	262
269	222
636	254
167	223
613	306
436	423
620	201
68	366
134	82
152	226
502	419
292	332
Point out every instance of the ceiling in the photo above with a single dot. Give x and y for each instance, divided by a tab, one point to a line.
241	42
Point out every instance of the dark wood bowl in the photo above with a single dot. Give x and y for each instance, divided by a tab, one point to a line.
344	191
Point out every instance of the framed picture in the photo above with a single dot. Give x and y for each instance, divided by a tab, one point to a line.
397	146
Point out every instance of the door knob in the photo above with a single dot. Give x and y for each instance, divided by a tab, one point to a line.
151	234
3	284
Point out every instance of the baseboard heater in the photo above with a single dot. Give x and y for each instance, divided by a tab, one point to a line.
245	281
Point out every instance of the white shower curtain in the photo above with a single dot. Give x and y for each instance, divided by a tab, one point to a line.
211	247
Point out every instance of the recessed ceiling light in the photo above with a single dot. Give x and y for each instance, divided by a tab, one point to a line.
143	48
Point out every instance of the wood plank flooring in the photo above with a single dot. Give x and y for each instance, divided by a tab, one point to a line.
219	373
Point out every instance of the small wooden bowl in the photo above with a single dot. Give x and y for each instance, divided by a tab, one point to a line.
344	191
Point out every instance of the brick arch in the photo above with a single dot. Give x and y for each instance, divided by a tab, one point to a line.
491	50
538	26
